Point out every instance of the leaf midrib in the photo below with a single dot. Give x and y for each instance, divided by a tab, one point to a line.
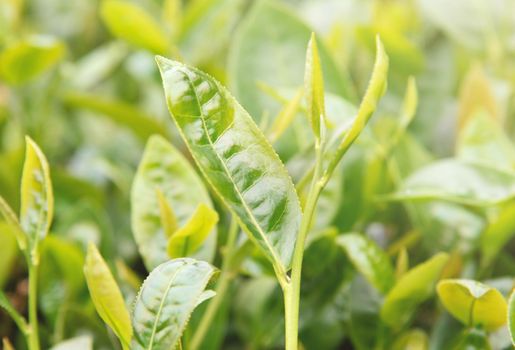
245	206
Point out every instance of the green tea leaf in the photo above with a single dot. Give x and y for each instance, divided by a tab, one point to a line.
10	218
235	157
285	117
168	219
166	300
314	87
415	339
369	259
188	238
511	316
473	303
472	339
455	181
106	296
375	90
27	59
163	168
412	289
9	255
37	200
131	23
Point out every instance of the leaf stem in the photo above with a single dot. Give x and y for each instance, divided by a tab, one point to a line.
33	309
226	275
291	290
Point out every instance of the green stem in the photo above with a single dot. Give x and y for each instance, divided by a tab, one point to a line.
291	289
226	275
33	308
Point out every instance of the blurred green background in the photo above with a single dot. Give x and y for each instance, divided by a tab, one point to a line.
80	78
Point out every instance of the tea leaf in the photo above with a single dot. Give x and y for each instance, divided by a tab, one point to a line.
163	168
314	87
168	219
498	233
8	258
473	303
236	158
166	300
415	339
411	289
369	259
459	182
132	24
511	316
37	200
10	218
188	238
375	90
285	117
472	339
27	59
106	296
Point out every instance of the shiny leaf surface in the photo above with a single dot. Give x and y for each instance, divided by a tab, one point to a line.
165	302
473	303
235	157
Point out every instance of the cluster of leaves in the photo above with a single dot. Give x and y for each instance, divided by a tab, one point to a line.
404	240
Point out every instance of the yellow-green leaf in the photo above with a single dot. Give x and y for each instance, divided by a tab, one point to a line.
188	238
412	289
10	218
473	303
132	24
106	296
285	117
375	90
7	344
26	59
314	87
37	200
168	218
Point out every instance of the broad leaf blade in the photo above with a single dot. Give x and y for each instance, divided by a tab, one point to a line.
106	296
235	157
37	200
413	288
369	259
163	168
473	303
132	24
314	87
188	238
166	300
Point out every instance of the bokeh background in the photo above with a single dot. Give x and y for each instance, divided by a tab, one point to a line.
80	78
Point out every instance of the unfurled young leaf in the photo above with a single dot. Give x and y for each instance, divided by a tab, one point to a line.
168	219
164	169
473	303
187	239
106	296
410	104
236	159
285	117
37	200
369	259
375	90
132	24
410	290
10	218
314	87
166	300
27	59
511	316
